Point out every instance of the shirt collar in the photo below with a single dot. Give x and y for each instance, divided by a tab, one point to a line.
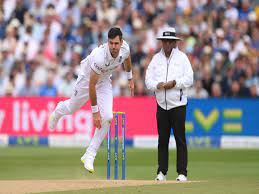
174	50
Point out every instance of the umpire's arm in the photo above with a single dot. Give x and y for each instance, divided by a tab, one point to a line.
186	80
150	78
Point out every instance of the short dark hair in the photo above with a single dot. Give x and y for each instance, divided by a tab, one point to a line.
113	32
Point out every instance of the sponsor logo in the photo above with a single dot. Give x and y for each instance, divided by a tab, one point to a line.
97	67
28	141
29	119
203	141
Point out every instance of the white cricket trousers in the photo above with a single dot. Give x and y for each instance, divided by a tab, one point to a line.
77	100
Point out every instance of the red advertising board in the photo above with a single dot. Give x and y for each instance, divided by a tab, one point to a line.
28	116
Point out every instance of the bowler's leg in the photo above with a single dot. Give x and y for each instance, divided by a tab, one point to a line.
104	101
77	100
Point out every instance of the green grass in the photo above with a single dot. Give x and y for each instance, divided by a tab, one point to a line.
226	171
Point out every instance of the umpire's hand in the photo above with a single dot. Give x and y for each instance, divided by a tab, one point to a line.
160	86
170	85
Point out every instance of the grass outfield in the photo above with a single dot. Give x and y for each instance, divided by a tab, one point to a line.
224	171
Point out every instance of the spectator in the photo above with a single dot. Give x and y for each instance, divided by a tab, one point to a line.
28	89
231	12
20	10
197	91
9	85
139	88
255	38
2	25
226	82
207	79
57	34
1	81
7	60
251	78
234	90
244	10
138	56
48	89
37	9
66	87
216	90
219	69
253	91
244	91
106	10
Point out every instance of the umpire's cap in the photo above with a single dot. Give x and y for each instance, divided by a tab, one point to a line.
168	33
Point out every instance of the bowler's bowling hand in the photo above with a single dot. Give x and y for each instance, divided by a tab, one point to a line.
131	86
160	85
170	85
97	120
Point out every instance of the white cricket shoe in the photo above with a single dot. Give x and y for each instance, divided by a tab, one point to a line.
52	122
181	178
83	158
88	161
160	177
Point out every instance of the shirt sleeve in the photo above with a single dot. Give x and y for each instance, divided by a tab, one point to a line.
126	49
97	64
186	80
150	80
96	68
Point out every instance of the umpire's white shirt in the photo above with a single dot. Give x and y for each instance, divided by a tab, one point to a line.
161	69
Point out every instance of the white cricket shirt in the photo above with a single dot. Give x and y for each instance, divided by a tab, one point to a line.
161	69
101	61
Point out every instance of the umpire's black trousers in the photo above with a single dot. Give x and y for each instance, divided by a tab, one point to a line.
167	119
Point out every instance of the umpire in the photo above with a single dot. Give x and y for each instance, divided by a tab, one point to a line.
168	75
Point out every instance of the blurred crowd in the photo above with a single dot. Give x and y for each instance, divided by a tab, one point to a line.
43	41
